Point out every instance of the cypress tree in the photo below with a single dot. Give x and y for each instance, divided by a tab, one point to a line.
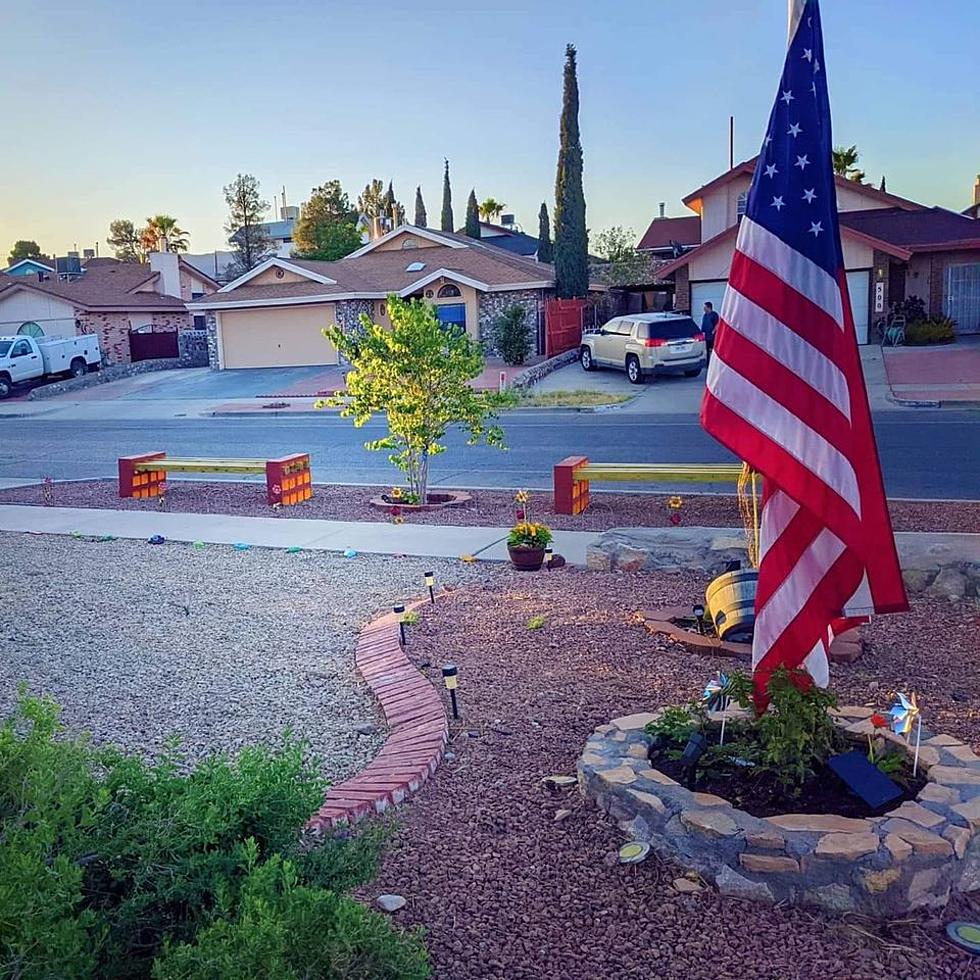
545	251
389	204
571	249
446	224
420	216
472	229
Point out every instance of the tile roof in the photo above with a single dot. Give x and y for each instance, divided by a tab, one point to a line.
915	230
663	232
105	284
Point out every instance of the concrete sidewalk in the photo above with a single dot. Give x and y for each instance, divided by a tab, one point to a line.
943	375
428	540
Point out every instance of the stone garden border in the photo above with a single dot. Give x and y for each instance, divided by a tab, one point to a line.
912	857
457	498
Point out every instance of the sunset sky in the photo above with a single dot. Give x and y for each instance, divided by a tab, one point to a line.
122	109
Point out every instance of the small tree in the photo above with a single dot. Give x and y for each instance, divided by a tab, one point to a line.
510	336
472	229
545	250
371	200
126	241
446	222
246	234
25	249
421	218
326	227
625	266
417	374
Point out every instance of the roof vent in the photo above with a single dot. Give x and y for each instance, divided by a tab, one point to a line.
415	267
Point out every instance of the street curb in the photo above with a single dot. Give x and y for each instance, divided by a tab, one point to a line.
417	738
912	402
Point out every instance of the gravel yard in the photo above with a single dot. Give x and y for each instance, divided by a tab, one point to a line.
494	508
512	892
225	648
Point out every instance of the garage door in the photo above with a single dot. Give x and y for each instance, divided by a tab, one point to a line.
858	285
272	337
707	292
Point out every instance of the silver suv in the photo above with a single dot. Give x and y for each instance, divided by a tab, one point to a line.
643	344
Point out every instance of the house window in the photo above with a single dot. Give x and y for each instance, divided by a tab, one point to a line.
963	296
143	328
740	202
409	243
200	323
30	329
452	316
448	291
196	295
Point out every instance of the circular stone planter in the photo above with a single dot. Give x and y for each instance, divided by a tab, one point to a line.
434	501
912	857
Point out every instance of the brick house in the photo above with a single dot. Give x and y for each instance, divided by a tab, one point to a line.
894	248
115	300
273	316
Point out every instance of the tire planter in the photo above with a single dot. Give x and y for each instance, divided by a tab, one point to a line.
526	559
914	856
434	501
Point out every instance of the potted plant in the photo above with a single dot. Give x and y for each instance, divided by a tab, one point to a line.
526	544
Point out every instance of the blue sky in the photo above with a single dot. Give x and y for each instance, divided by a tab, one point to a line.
122	109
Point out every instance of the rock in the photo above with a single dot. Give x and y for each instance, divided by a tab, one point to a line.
502	730
648	799
597	560
925	889
637	752
449	756
658	777
561	815
962	753
768	863
610	859
733	884
712	823
918	579
630	559
391	903
955	776
900	849
959	837
836	898
917	814
620	775
934	793
848	847
559	782
630	723
880	881
944	740
950	583
820	823
473	733
709	799
366	729
923	842
970	812
687	887
773	842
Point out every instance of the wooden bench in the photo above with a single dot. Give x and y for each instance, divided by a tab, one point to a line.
574	473
288	480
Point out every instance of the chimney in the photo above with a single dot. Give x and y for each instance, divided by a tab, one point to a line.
976	191
662	206
167	264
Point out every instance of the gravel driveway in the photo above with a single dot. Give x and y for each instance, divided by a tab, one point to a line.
225	648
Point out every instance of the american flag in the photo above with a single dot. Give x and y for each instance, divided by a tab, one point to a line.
785	391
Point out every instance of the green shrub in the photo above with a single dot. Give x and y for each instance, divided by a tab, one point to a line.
934	330
114	867
677	724
912	308
510	334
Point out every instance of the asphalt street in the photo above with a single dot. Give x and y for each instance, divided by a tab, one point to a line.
924	454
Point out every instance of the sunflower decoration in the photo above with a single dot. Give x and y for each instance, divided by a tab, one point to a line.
395	493
521	499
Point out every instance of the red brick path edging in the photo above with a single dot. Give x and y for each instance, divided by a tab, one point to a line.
415	744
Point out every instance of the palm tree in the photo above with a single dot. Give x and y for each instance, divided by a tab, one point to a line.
490	210
162	234
845	163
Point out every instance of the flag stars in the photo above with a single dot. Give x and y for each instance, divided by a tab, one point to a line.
802	162
767	141
771	170
813	88
787	97
807	54
809	195
815	228
778	203
816	66
794	130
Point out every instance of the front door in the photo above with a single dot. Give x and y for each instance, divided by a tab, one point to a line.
963	296
24	362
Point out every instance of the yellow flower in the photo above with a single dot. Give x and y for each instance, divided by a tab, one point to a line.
675	503
521	496
396	493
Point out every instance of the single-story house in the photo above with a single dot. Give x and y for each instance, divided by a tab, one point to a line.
894	248
29	267
273	315
116	300
668	238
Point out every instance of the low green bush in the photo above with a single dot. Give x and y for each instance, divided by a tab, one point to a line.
510	334
114	867
934	330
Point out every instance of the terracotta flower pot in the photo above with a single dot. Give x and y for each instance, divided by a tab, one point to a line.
525	558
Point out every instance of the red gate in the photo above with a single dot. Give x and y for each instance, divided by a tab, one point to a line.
563	325
147	346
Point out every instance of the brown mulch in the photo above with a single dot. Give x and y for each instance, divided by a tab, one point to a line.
494	508
504	891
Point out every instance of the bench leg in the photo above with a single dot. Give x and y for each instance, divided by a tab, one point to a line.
571	495
289	480
142	484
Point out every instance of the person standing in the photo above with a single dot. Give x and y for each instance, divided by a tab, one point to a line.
708	323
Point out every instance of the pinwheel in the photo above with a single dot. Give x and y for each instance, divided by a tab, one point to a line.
904	714
717	697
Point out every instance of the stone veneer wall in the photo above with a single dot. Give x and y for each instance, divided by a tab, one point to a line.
911	857
491	305
112	329
192	348
211	332
349	318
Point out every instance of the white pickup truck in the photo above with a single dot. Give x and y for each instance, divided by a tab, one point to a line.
26	358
